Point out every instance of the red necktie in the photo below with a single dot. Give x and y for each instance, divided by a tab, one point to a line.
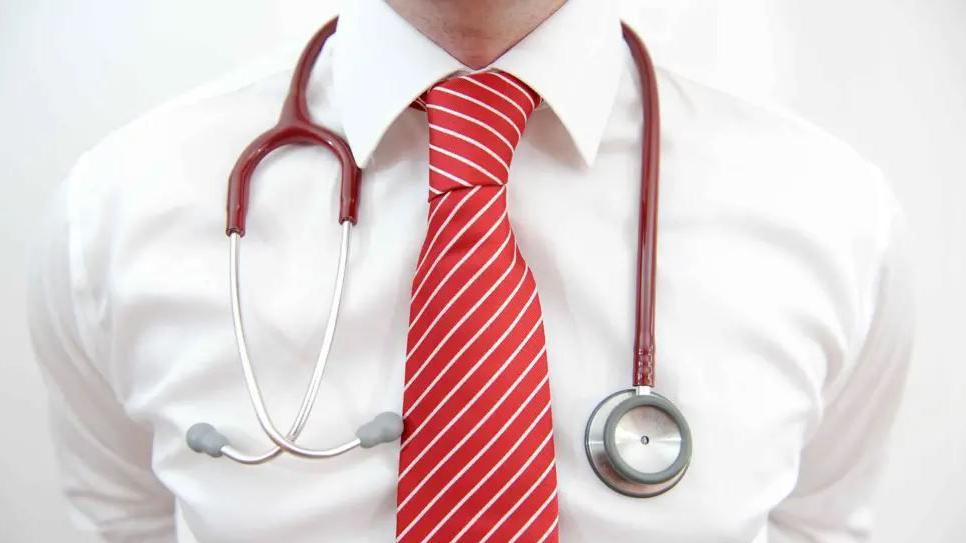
477	458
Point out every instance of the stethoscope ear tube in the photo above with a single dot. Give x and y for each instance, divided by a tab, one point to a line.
204	438
295	126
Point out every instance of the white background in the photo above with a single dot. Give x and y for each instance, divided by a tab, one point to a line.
888	76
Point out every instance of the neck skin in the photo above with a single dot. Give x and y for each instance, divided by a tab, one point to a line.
475	32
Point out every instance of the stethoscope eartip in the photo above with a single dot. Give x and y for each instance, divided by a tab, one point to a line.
383	428
204	438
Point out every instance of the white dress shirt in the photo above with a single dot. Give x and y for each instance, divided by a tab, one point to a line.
783	318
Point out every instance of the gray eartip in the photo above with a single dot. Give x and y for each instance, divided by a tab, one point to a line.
385	427
204	438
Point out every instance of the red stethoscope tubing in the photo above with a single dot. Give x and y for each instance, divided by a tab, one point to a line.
296	127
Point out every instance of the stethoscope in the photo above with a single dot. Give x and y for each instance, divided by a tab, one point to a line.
636	440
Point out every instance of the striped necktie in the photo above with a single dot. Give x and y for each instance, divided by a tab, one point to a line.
477	457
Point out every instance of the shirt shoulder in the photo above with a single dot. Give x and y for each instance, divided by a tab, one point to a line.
174	153
202	131
158	178
761	173
767	161
218	105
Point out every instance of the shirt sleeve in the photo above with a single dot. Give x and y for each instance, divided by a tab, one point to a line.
840	465
104	456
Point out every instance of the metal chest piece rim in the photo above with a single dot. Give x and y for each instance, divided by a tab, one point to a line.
638	443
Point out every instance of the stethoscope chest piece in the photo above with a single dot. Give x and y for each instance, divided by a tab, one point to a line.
638	443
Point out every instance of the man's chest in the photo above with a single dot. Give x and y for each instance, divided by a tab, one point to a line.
746	327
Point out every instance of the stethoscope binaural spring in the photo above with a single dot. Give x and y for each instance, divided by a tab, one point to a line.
636	440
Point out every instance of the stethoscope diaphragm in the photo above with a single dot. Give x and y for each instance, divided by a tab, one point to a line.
638	442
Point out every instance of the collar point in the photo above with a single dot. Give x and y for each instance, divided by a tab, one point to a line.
587	152
361	148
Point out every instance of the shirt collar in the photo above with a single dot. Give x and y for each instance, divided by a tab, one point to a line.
381	64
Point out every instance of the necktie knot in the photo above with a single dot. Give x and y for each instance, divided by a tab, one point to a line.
475	123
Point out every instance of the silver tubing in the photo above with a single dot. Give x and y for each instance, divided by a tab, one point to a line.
312	392
286	442
242	458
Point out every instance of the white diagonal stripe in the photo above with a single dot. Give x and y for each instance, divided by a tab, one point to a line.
466	346
435	205
473	120
549	530
498	93
513	84
439	204
456	237
479	393
439	286
497	524
456	296
468	283
523	436
479	423
483	480
455	327
472	142
484	105
471	433
450	176
476	396
534	517
468	162
502	491
442	227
